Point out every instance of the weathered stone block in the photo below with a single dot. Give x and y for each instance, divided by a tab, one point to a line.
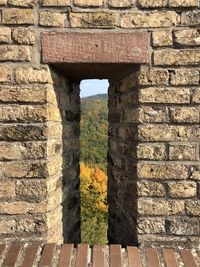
7	226
183	3
167	133
23	169
190	18
164	95
185	114
20	151
17	113
162	171
5	75
5	35
151	151
187	37
196	96
152	3
32	75
32	224
169	57
7	189
151	226
162	38
88	3
24	36
92	20
153	114
18	16
31	190
193	207
183	152
56	2
15	53
22	3
150	189
26	132
153	77
183	226
182	189
52	19
184	76
195	173
149	19
163	207
22	207
33	94
3	2
121	3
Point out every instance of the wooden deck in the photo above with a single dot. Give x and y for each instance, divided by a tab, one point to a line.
16	255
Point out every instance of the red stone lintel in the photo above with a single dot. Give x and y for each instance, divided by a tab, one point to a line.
96	47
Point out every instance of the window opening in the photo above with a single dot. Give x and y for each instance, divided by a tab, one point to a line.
93	161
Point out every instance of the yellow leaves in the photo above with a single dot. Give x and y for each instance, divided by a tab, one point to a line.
93	187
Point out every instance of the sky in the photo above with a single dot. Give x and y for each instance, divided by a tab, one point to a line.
94	87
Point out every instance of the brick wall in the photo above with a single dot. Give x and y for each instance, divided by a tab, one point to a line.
154	168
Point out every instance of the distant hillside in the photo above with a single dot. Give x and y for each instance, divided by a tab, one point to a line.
94	128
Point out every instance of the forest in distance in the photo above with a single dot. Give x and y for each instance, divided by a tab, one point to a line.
93	169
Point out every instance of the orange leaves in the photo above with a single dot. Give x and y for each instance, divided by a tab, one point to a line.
94	185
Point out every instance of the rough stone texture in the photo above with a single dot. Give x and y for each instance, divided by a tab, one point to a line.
5	74
184	77
184	226
153	77
53	19
152	3
162	38
154	98
17	16
150	189
121	3
187	115
5	35
183	152
182	189
27	3
88	3
24	36
149	20
164	95
56	3
93	20
169	57
15	53
187	37
183	3
151	151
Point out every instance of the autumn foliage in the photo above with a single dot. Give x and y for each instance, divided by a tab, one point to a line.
94	207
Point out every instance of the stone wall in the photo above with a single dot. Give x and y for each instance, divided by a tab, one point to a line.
154	168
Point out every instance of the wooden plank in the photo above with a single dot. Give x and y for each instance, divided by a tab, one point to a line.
82	255
98	255
134	257
169	257
188	258
152	257
12	255
47	255
66	255
30	255
115	256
